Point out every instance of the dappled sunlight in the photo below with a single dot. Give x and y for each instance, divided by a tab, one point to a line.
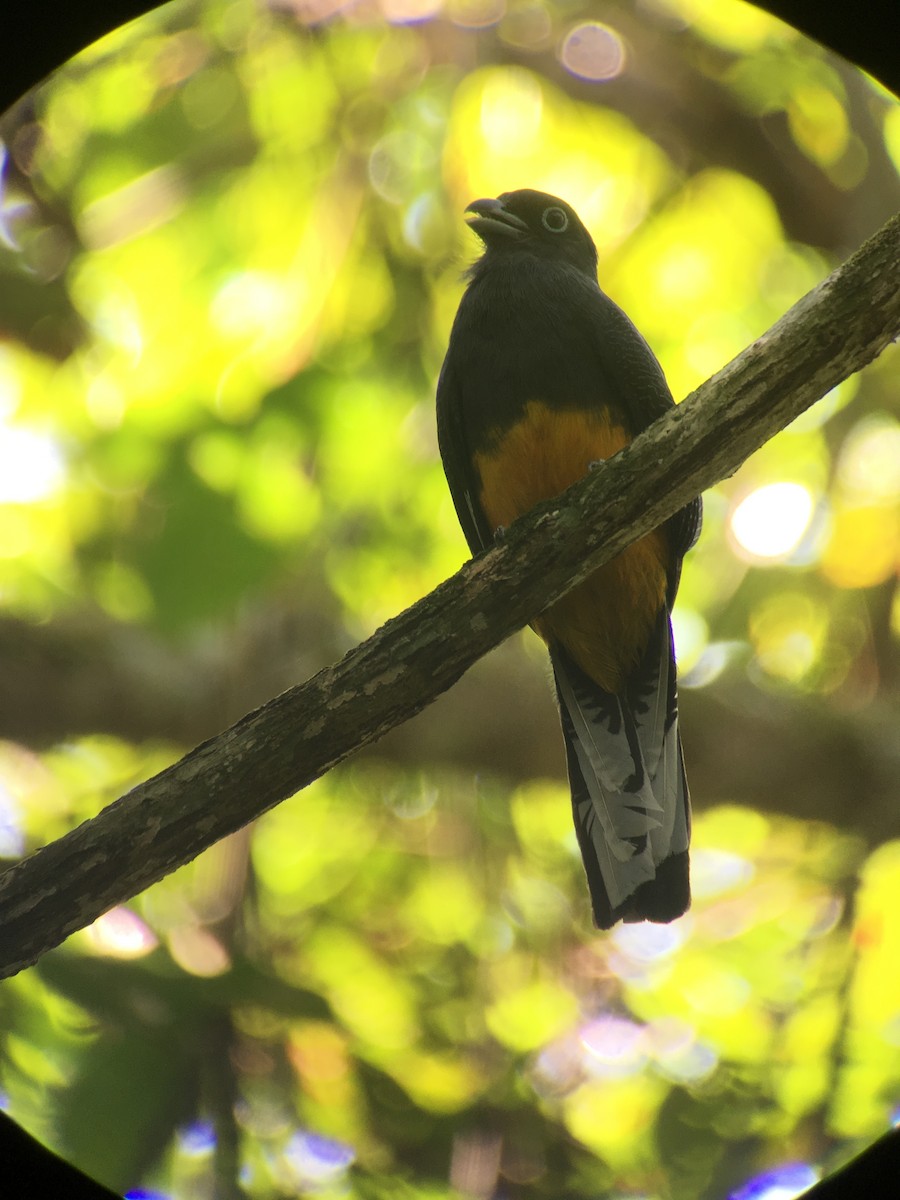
769	524
751	979
198	952
511	112
863	549
31	465
614	1046
121	933
311	1160
701	256
869	462
593	51
231	247
524	132
741	27
136	208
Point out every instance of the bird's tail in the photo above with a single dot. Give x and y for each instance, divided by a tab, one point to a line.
629	792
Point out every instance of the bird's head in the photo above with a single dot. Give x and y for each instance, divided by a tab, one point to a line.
537	223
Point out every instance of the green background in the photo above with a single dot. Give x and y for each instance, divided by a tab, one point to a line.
231	247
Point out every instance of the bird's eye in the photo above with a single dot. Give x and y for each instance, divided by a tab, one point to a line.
555	219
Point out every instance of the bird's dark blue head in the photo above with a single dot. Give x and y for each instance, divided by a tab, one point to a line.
536	223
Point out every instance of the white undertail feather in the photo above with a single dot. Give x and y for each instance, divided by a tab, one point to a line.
649	763
661	749
606	764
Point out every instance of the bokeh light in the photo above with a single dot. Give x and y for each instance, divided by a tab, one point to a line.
593	51
197	1140
198	951
311	1160
231	246
121	933
863	548
714	871
779	1183
31	465
12	836
869	462
769	524
614	1047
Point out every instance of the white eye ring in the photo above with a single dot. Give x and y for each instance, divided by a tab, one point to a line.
555	220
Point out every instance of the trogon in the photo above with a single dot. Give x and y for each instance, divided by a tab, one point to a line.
544	378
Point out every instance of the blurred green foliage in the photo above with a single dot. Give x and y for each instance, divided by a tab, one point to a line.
230	253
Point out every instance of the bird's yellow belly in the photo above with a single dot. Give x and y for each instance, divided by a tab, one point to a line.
605	622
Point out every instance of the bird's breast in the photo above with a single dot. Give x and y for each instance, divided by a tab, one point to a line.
606	621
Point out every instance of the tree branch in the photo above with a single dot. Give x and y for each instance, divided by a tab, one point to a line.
840	326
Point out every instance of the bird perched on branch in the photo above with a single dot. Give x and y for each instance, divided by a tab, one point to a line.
544	378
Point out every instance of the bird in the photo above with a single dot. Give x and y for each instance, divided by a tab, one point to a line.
544	379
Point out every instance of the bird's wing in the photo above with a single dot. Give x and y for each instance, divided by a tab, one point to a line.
457	459
684	527
629	792
623	359
682	531
633	377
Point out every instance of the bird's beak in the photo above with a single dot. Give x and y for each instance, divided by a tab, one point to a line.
490	217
